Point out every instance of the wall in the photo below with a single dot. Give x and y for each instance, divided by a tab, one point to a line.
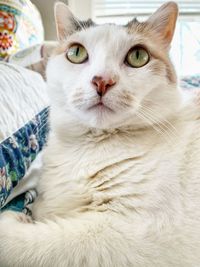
81	8
46	10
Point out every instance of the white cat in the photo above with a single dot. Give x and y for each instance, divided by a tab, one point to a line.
121	179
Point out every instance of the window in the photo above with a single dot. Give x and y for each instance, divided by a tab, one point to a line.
121	11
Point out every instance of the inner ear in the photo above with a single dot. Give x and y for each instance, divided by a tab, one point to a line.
163	21
65	21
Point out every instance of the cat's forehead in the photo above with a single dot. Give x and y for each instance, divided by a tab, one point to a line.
111	34
111	37
106	32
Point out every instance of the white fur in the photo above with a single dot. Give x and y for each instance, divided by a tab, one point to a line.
117	190
106	59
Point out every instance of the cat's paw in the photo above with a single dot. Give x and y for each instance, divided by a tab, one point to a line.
15	216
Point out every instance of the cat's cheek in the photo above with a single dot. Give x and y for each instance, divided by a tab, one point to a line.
57	63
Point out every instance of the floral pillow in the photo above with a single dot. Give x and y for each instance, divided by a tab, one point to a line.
34	57
20	26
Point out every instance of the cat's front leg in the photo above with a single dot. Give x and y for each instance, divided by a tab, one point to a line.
50	243
10	238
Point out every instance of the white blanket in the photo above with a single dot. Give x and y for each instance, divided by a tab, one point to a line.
22	95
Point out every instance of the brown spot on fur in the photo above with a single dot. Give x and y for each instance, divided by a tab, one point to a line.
105	200
171	74
136	26
159	66
169	68
78	26
106	187
101	180
145	35
100	173
126	99
133	21
156	67
83	24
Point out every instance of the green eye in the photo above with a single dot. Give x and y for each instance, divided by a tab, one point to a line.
137	57
77	54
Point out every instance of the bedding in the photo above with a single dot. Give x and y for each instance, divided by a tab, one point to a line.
34	57
23	123
19	150
22	95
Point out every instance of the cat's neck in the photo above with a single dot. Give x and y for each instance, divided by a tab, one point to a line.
95	162
101	147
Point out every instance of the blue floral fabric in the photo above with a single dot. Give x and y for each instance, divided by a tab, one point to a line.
19	150
21	203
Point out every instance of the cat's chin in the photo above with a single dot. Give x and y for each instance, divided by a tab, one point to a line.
100	109
104	118
113	124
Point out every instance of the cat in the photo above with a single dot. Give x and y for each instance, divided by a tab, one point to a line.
120	184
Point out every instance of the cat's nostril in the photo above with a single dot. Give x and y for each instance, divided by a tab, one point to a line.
102	85
99	93
95	80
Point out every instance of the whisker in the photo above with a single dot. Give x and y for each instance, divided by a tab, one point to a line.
148	113
163	119
157	129
163	122
155	126
151	121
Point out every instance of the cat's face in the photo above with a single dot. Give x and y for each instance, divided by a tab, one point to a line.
108	76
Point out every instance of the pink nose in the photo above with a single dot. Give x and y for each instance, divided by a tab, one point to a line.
102	85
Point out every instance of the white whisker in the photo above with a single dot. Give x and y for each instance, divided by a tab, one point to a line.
154	124
163	119
163	122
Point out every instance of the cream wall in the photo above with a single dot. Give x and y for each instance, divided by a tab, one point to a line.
81	8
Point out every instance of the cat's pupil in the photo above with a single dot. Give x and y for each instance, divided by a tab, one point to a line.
77	51
137	54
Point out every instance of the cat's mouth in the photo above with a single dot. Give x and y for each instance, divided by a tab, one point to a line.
100	106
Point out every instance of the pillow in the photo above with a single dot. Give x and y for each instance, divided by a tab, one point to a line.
23	123
34	57
20	26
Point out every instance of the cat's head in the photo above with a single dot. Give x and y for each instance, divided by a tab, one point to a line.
108	76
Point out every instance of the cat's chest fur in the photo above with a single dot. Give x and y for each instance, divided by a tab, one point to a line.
124	172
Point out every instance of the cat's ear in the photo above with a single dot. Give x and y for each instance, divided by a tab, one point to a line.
65	21
163	21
